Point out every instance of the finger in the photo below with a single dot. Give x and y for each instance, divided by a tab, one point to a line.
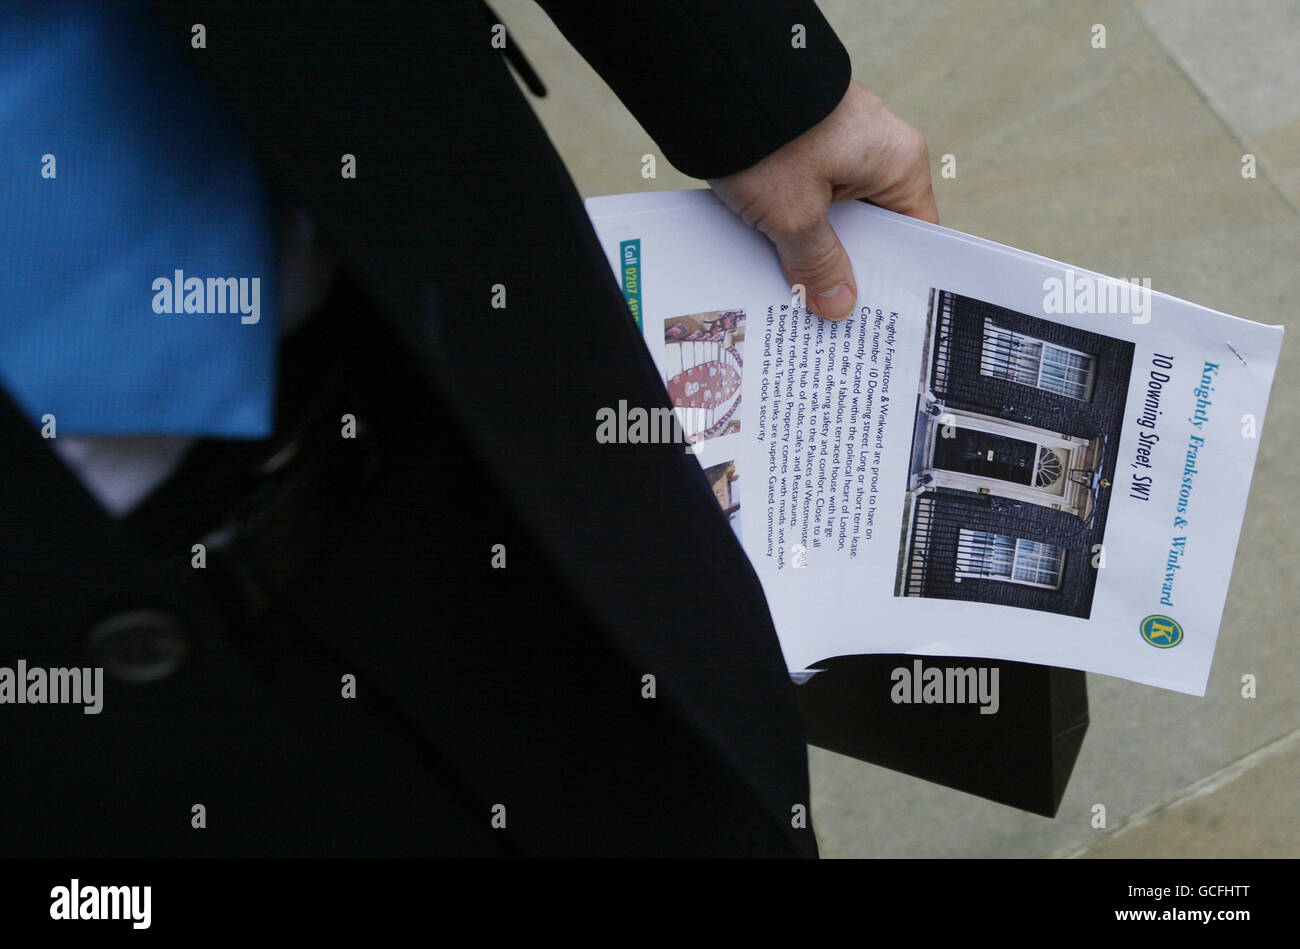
922	204
815	258
900	179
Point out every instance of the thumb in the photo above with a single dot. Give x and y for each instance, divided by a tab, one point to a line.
815	258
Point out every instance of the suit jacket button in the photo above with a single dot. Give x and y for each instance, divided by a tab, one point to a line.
141	645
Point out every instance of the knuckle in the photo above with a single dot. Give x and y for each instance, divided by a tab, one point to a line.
816	264
792	219
915	147
752	211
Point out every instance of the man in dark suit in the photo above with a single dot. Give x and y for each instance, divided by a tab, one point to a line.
451	629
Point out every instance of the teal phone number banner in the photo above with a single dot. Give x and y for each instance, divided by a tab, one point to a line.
629	253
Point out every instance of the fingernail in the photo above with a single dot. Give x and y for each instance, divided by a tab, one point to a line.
835	303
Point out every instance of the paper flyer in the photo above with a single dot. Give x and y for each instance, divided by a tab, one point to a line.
998	456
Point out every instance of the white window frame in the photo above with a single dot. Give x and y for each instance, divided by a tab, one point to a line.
967	539
1073	451
1022	344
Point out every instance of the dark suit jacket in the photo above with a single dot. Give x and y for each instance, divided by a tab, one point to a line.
477	687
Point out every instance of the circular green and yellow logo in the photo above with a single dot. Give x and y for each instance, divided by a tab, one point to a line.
1161	632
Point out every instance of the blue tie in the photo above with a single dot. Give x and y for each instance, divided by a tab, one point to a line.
119	174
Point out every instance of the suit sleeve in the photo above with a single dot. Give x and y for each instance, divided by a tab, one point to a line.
718	84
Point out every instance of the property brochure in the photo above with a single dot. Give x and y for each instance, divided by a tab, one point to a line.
997	456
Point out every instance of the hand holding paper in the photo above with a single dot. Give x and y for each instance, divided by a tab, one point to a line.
861	150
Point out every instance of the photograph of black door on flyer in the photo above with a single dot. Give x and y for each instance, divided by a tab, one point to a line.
1013	458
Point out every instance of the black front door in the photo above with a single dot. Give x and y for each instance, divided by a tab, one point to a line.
989	456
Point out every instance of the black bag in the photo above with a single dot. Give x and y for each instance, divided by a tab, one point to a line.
1021	756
